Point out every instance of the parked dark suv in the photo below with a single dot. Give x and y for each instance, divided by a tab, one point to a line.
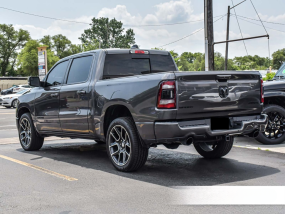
134	99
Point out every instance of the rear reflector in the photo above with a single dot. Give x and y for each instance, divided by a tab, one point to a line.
167	95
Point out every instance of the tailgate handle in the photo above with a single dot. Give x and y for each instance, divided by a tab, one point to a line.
223	77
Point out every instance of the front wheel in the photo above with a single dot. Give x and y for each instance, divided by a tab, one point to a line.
275	130
214	150
28	136
124	146
15	103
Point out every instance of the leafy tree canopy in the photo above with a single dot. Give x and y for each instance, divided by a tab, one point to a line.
278	58
28	58
11	41
110	33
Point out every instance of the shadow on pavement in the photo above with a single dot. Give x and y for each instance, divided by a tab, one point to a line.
163	167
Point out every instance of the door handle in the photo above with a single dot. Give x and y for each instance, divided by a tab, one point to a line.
54	95
81	92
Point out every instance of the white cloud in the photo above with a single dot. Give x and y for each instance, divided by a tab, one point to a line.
278	18
121	13
174	11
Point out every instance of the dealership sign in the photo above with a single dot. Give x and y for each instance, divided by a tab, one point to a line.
42	62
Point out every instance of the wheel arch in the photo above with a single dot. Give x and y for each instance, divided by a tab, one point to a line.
111	113
22	110
273	99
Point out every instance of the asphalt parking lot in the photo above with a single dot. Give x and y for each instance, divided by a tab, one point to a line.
75	176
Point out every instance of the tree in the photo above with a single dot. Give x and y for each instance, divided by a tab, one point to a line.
47	40
269	76
278	58
61	45
28	58
11	41
109	32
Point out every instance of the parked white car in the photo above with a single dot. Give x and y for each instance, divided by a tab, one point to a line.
11	100
20	88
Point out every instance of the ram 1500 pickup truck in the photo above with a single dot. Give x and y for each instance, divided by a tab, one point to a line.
133	99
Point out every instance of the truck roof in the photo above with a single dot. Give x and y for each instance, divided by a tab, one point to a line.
118	51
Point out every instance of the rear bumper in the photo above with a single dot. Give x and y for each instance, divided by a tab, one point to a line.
199	130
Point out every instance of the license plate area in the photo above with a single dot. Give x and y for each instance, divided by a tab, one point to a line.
220	123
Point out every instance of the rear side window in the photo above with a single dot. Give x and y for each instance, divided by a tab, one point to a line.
124	65
161	63
117	65
79	70
55	77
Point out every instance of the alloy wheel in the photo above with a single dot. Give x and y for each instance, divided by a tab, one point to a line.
25	132
119	145
275	127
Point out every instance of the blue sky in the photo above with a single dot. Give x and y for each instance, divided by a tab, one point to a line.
154	12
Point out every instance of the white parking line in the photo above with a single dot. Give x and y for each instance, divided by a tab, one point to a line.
7	125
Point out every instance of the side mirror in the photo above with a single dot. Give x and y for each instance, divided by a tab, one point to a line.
34	81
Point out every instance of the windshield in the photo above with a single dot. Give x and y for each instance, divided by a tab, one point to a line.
23	91
281	72
14	86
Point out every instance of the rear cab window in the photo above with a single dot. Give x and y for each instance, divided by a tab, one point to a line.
120	65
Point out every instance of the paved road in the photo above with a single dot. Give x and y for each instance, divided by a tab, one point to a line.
75	176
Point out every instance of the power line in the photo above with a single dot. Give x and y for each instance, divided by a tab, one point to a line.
276	23
239	28
46	17
183	37
189	34
259	24
154	25
259	17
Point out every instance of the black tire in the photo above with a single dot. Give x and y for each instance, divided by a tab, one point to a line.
137	153
218	150
14	103
36	141
8	106
261	137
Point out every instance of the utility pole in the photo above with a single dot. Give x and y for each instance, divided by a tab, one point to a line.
209	35
228	35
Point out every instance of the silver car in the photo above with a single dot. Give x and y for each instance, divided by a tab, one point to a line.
11	100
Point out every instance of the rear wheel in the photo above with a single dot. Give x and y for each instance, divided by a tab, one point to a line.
124	146
275	130
29	138
214	150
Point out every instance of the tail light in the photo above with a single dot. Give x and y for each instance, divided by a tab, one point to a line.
261	91
167	95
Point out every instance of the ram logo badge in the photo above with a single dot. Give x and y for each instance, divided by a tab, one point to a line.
223	91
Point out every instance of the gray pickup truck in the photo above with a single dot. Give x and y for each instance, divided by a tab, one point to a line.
133	99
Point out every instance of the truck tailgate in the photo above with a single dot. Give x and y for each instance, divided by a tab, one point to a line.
218	94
